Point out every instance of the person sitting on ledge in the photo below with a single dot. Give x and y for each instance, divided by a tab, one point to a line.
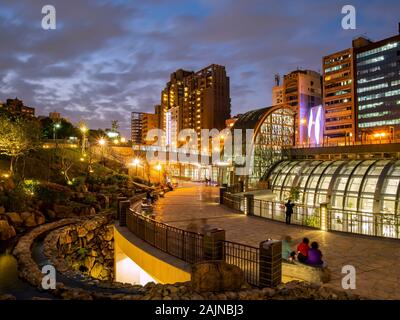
302	250
314	255
287	253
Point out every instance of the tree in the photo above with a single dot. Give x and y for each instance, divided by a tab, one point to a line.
18	136
65	130
114	125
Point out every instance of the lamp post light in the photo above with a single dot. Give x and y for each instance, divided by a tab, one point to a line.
83	129
102	143
56	126
136	162
159	168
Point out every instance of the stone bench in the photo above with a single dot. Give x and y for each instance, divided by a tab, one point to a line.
300	271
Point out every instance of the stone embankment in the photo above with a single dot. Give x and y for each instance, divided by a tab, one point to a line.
109	290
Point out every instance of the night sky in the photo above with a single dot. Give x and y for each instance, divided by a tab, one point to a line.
107	58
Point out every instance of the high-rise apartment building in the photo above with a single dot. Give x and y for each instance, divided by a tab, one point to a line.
300	90
202	100
136	127
149	122
339	97
378	88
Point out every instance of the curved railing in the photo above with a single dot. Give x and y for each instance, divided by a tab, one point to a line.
185	245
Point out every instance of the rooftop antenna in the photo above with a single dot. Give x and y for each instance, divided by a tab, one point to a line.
277	79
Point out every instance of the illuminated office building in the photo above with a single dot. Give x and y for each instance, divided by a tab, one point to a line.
378	88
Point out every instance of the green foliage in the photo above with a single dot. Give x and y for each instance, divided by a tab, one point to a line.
52	193
82	252
89	200
18	136
14	199
65	130
312	221
78	181
294	193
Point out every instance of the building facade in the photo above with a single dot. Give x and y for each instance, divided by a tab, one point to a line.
339	97
301	90
136	127
202	100
378	88
17	106
149	122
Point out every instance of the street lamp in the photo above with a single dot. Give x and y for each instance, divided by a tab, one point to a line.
136	162
159	167
83	129
56	126
102	143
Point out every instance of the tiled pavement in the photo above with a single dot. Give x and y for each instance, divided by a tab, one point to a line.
376	260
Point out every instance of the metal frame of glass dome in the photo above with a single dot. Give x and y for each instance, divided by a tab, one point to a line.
362	195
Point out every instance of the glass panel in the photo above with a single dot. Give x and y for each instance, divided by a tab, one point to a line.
390	186
312	183
388	206
337	201
354	184
351	203
310	198
324	184
366	205
340	183
370	185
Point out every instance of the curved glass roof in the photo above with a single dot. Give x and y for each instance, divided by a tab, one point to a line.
250	119
359	190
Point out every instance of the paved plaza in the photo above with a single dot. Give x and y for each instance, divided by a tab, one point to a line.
376	260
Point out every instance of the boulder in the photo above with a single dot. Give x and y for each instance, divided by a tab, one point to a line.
29	219
109	233
15	218
40	218
96	270
6	231
89	262
214	276
82	232
62	211
90	225
51	214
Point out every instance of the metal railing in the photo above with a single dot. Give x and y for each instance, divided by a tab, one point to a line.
185	245
192	247
245	257
302	214
380	225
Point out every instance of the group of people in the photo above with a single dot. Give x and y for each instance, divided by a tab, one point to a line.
305	253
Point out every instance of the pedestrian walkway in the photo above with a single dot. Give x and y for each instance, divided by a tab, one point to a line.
376	260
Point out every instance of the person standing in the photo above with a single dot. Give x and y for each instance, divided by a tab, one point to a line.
289	211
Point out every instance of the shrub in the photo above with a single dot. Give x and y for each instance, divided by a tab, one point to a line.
14	199
52	193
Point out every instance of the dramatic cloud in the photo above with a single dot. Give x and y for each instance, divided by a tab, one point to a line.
110	57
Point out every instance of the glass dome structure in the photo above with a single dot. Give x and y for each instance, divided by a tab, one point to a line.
362	195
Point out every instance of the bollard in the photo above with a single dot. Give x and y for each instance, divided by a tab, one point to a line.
222	191
249	198
213	244
270	272
119	199
123	209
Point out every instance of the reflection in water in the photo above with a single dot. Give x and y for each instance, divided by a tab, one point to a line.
10	283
